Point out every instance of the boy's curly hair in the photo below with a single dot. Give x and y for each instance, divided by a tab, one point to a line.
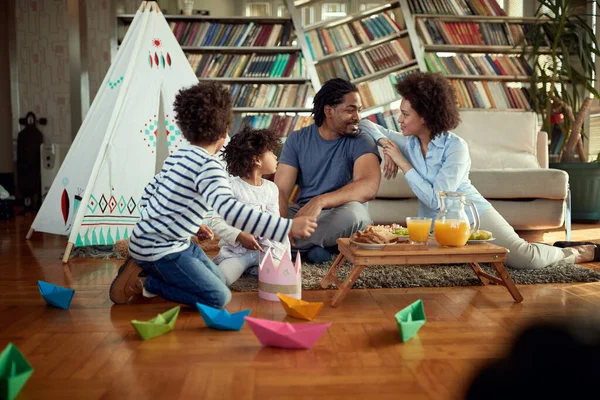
203	112
433	98
245	146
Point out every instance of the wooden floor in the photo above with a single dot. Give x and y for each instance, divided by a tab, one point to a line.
92	352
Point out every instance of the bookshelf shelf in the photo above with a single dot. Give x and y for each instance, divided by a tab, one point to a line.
330	23
476	18
272	110
495	109
240	50
304	3
361	47
453	48
384	72
254	80
231	20
500	78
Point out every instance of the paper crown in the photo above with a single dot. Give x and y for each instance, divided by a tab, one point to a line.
286	278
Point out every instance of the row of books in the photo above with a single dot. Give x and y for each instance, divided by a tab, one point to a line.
211	65
323	42
383	90
498	95
387	119
456	7
474	33
366	62
481	65
269	95
282	124
201	34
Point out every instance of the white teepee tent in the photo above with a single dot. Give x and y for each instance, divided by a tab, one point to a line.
95	198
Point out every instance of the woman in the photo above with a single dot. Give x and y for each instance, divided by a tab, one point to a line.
432	159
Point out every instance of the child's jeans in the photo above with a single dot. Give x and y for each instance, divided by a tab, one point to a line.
187	277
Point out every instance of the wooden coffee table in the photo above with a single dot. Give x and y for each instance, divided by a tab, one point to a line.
403	254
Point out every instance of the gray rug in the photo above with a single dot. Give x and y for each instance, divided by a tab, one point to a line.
427	276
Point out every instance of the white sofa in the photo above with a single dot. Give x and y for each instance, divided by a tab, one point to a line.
509	168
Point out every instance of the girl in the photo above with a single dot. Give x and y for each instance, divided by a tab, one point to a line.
249	155
432	159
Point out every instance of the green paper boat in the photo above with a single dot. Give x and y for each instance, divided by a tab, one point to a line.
410	320
157	326
14	372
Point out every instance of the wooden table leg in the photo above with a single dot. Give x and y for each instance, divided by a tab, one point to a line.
347	285
331	275
479	272
507	281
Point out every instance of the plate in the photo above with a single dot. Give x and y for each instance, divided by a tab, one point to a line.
480	241
377	246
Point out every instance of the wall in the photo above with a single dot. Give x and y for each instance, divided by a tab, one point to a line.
100	24
6	155
43	65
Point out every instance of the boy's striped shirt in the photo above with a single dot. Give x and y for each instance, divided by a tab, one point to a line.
191	183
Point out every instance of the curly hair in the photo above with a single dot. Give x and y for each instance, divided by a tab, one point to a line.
331	93
203	112
433	98
245	146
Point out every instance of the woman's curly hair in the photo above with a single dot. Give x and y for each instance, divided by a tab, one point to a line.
433	98
203	112
246	146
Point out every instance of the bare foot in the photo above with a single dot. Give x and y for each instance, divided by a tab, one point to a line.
584	253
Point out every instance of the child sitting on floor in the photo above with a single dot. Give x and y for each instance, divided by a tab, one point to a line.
249	156
192	183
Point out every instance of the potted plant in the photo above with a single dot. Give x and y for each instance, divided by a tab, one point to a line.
562	83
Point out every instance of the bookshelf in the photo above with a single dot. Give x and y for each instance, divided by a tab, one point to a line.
477	47
257	58
370	48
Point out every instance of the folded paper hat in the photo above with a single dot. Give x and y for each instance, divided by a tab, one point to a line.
410	320
286	278
14	372
157	326
299	308
221	319
55	295
286	335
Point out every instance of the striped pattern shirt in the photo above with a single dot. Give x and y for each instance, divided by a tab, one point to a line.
191	184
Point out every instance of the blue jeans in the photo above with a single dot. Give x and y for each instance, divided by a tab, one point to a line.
187	277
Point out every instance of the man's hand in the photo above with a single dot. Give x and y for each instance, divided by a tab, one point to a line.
205	233
248	241
303	227
390	169
311	209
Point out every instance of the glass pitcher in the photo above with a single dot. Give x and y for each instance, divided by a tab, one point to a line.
452	226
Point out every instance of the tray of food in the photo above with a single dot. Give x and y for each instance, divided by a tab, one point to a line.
377	237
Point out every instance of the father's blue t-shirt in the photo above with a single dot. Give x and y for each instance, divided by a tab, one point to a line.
323	165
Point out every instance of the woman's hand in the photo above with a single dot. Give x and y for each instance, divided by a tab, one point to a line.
248	241
205	233
390	169
392	151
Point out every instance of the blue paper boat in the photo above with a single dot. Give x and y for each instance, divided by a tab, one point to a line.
56	296
221	319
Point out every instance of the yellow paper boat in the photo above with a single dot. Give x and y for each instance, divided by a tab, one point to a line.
157	326
299	308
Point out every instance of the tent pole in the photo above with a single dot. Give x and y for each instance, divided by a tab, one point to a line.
67	252
29	234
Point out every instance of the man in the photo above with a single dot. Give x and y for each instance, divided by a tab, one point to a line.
336	168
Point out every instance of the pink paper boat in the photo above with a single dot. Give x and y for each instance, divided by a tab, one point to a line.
286	335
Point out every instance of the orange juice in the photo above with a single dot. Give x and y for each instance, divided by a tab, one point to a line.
418	229
451	232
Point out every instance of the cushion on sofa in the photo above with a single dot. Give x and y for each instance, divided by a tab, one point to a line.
538	183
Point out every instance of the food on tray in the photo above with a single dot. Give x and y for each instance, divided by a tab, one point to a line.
481	235
379	234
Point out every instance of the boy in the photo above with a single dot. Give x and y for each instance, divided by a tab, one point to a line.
192	183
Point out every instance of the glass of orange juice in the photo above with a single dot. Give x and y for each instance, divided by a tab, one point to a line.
418	229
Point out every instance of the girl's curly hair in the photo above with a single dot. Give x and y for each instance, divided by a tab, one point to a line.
433	98
203	112
246	146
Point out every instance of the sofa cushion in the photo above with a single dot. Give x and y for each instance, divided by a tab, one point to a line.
500	139
540	183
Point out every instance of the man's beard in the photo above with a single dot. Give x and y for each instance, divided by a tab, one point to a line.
351	134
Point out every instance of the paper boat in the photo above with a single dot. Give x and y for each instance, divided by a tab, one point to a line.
221	319
157	326
14	372
56	296
286	335
299	308
410	320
